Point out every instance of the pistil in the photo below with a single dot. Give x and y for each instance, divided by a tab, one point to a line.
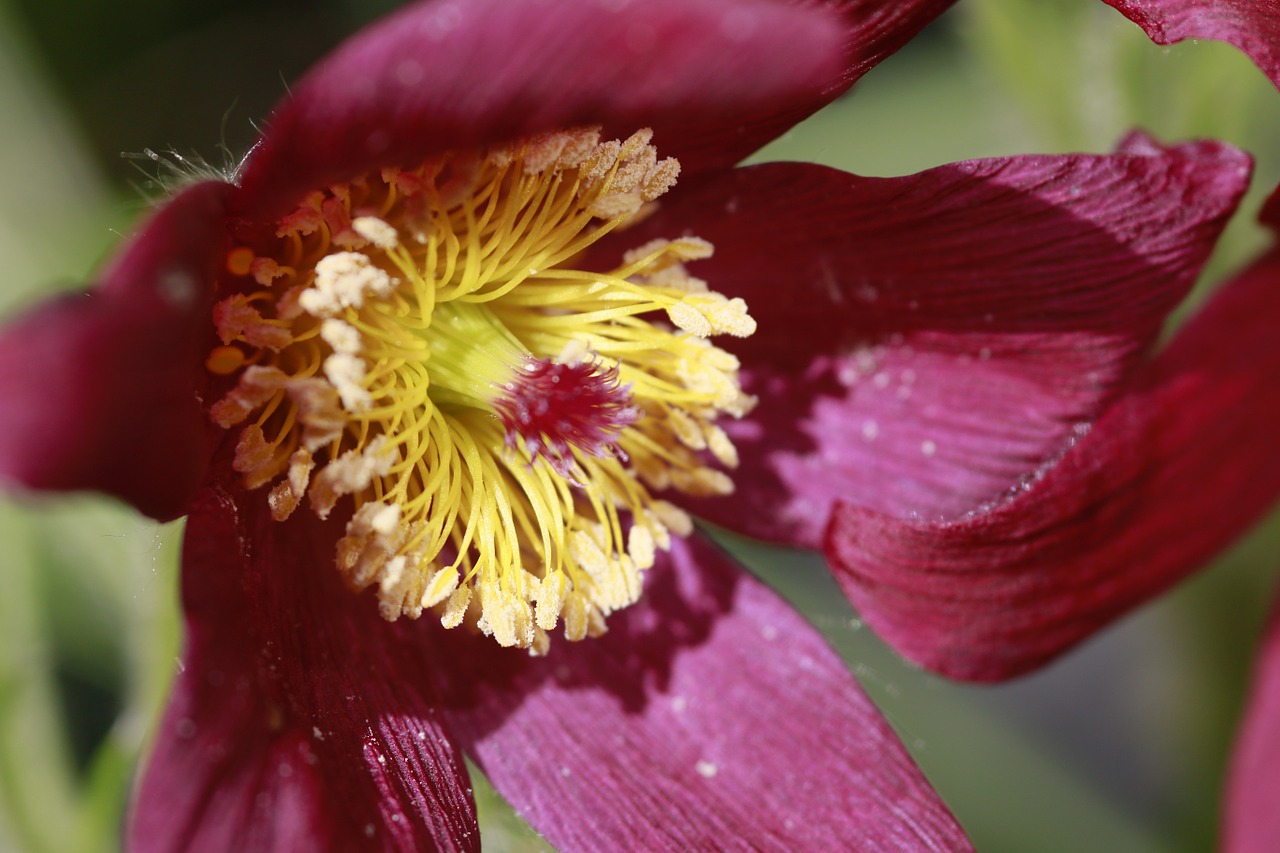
420	342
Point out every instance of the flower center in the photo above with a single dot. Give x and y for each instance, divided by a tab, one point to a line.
421	341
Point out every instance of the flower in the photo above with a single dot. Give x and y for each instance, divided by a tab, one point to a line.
918	339
1166	477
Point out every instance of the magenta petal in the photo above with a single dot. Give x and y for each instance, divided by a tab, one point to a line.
925	341
1170	474
711	716
97	391
1251	823
300	720
1253	26
463	73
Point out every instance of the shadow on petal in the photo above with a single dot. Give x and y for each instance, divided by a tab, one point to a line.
710	715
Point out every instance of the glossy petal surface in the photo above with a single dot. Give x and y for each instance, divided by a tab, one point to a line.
463	73
711	716
97	390
1171	473
300	720
925	341
1253	26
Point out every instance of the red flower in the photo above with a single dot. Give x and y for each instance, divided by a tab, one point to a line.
1166	477
921	341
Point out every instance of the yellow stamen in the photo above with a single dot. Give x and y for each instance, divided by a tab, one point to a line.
421	342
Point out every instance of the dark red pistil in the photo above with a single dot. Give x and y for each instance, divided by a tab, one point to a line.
552	407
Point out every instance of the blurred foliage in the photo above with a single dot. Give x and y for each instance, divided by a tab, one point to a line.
1120	746
186	76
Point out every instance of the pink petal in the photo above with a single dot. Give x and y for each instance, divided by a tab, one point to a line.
711	716
97	391
925	341
463	73
1251	823
299	720
1250	25
1170	474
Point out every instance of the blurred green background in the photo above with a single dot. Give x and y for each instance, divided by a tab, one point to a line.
1120	746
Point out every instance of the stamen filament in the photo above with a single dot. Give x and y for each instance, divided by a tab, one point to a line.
421	339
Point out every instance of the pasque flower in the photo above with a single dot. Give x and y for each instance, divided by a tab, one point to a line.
1182	462
485	314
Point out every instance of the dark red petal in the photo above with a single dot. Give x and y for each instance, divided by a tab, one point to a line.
1171	473
1251	823
97	391
711	716
463	73
299	720
924	341
1253	26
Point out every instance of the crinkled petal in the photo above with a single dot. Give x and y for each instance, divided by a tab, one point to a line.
925	341
97	390
299	719
1173	471
1251	823
1253	26
456	74
710	716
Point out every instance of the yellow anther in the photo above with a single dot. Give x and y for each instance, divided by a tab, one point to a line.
266	270
346	373
442	585
640	546
685	316
551	598
236	319
252	451
499	617
672	517
575	617
497	418
376	231
615	205
721	446
342	337
702	482
541	642
400	588
456	607
286	496
370	542
322	418
587	552
351	472
344	280
257	385
686	428
636	143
